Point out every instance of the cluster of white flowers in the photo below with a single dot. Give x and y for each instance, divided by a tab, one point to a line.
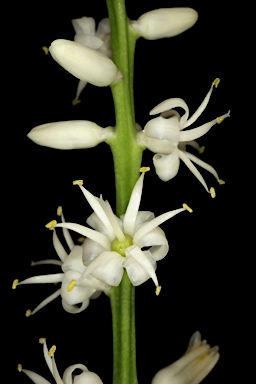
198	360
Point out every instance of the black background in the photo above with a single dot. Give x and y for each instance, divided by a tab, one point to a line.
198	276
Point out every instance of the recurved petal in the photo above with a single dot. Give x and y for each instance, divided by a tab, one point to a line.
87	378
69	134
84	25
73	309
167	166
165	22
68	373
169	104
78	294
84	63
157	242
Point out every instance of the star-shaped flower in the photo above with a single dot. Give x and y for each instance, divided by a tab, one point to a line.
197	362
86	377
73	268
133	242
166	136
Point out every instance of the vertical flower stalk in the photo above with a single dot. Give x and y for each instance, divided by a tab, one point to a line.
127	155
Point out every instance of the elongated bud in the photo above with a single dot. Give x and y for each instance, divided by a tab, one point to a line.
84	63
69	134
165	22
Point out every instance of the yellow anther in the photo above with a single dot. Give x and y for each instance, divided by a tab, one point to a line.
185	206
59	210
201	149
19	367
81	239
75	102
158	289
216	82
78	182
15	283
221	182
144	169
28	312
212	192
42	340
51	225
220	119
71	285
45	49
52	350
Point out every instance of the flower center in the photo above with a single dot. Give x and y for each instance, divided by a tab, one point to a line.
120	246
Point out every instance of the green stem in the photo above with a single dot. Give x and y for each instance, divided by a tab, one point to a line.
127	155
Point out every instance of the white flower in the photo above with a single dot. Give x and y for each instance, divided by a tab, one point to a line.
166	136
86	377
164	22
74	290
99	40
192	367
70	134
84	63
117	243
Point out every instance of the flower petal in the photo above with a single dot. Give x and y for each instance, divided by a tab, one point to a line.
79	293
42	279
157	242
37	379
60	250
74	309
87	378
68	134
168	104
167	166
84	25
74	260
195	133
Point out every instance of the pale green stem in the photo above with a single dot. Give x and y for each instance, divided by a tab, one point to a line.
127	155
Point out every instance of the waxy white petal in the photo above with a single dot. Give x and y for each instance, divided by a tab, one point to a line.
135	254
165	22
84	25
169	104
84	63
68	134
167	166
74	308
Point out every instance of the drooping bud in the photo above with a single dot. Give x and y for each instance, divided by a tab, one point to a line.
84	63
164	22
70	134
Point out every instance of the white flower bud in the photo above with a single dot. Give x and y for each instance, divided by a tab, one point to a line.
69	134
84	63
165	22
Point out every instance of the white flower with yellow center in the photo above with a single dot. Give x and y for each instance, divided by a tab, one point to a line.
133	242
75	296
166	136
98	39
197	362
86	377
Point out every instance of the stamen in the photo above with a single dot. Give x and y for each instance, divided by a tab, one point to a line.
52	350
51	225
158	289
42	340
221	182
71	285
75	102
185	206
45	49
216	82
78	182
201	149
221	118
28	312
81	239
19	367
212	192
59	210
144	169
15	283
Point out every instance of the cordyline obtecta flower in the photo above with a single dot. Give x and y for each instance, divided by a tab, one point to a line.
86	377
197	362
164	22
115	244
166	136
75	298
84	63
70	134
99	40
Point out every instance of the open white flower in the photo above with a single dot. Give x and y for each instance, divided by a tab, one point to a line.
166	136
193	366
70	134
98	39
71	293
86	377
133	242
164	22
